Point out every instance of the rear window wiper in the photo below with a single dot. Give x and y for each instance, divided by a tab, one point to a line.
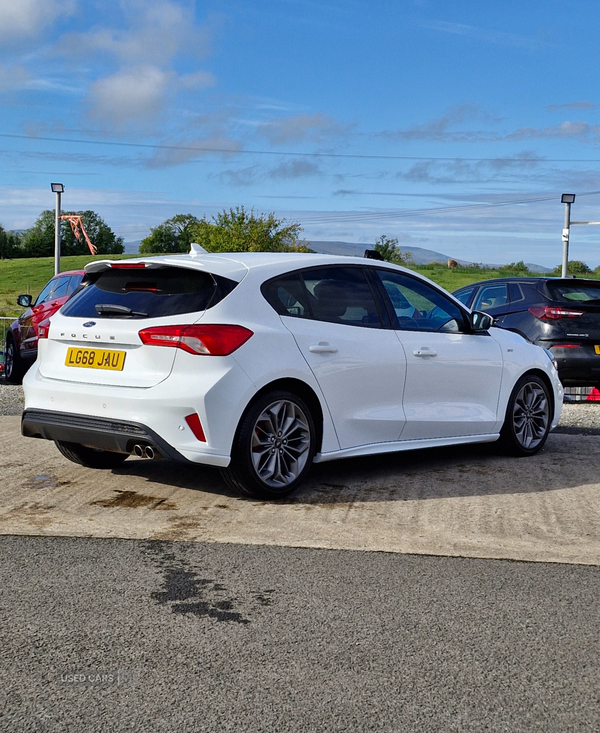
108	309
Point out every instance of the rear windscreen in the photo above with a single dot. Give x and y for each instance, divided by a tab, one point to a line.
147	293
574	292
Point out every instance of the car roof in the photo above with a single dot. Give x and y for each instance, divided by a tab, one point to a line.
525	279
236	265
70	272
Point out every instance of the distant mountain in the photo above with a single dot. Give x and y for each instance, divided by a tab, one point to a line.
132	248
419	255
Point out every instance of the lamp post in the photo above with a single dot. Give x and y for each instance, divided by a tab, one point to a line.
567	199
58	189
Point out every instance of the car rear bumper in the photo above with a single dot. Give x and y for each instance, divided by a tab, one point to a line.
102	433
578	365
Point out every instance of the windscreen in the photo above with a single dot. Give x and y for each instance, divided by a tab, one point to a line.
574	292
147	293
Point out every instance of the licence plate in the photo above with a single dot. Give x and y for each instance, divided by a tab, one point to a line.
597	349
96	359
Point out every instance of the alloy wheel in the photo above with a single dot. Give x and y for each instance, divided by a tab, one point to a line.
531	415
281	442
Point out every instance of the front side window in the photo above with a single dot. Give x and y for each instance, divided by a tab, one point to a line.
46	293
464	295
61	287
418	306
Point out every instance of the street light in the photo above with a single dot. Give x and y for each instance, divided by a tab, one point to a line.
58	189
567	199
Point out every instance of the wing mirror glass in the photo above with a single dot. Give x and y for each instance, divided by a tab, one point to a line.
24	300
481	321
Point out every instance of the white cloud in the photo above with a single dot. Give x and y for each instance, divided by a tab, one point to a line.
155	32
299	128
130	95
572	105
197	80
296	169
183	152
438	129
26	18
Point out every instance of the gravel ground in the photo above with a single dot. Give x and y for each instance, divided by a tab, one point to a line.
576	417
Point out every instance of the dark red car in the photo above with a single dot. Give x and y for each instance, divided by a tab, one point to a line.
22	336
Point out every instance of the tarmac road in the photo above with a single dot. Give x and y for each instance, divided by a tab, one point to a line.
150	598
214	637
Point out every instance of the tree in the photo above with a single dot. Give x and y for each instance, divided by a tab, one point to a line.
9	244
38	241
516	267
238	230
575	267
98	231
173	235
389	250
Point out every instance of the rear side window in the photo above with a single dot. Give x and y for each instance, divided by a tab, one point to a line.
515	292
287	295
575	292
490	297
333	294
74	282
341	295
147	293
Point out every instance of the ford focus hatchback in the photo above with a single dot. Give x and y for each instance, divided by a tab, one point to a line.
263	363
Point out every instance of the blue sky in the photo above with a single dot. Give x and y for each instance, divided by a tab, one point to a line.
453	126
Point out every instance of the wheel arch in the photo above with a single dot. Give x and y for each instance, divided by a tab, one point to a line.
304	391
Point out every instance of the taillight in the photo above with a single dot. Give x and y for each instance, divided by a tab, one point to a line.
43	328
553	313
128	266
565	346
209	340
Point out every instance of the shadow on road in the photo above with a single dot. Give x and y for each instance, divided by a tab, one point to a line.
458	471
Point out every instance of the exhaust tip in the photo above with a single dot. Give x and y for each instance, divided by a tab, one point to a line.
149	452
138	450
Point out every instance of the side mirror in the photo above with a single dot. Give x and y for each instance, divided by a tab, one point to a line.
481	321
24	300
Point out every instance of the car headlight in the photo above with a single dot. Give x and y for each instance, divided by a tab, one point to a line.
550	356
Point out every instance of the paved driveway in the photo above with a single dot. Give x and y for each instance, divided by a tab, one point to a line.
468	502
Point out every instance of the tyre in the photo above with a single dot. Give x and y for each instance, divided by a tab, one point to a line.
273	448
528	417
90	457
13	365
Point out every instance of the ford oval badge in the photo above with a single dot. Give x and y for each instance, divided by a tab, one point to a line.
89	324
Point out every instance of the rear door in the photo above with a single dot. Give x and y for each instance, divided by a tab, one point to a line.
356	358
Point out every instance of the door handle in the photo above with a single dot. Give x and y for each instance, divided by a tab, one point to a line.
322	348
424	351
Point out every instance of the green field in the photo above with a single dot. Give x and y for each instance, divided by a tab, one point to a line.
30	276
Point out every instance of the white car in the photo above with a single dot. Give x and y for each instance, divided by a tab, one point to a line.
263	363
